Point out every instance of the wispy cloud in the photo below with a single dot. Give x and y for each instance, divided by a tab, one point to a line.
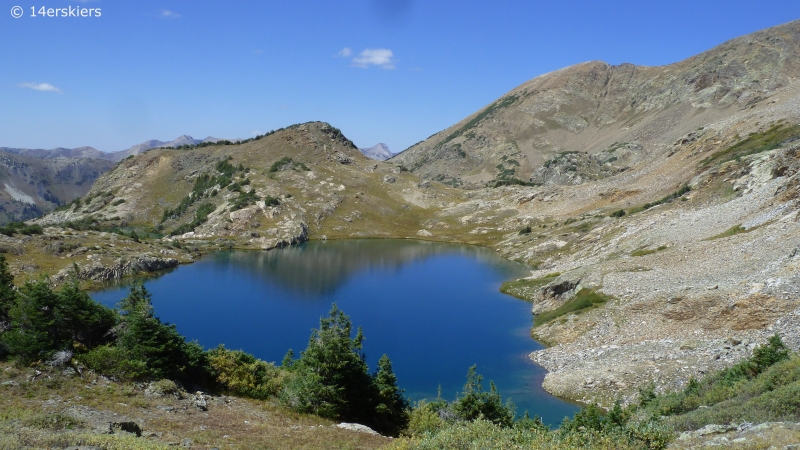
44	87
167	14
381	57
344	53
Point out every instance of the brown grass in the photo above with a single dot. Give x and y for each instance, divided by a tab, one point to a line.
30	408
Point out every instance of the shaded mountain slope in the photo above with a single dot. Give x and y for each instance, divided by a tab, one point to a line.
31	186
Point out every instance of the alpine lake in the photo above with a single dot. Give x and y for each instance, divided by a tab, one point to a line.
434	308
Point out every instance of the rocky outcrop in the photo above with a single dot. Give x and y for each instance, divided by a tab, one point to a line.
777	435
290	233
100	272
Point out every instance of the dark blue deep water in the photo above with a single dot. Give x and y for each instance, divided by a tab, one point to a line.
435	309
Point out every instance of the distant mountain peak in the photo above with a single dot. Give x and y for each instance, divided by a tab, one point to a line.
379	151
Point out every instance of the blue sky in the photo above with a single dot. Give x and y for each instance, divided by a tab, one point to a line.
393	71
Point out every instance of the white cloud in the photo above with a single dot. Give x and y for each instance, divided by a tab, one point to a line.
381	57
344	53
44	87
169	14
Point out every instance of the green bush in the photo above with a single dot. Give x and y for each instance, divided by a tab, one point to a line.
423	419
287	163
20	228
8	295
583	300
113	361
474	402
242	374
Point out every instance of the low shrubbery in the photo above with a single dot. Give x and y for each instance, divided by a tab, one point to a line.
287	163
583	300
756	142
10	229
650	251
666	199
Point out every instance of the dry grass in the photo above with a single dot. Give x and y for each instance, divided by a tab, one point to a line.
32	414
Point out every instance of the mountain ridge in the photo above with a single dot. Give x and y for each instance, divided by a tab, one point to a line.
589	106
91	152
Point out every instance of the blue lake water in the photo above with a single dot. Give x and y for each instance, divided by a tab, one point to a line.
435	309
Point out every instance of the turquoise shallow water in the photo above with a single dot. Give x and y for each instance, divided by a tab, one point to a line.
435	309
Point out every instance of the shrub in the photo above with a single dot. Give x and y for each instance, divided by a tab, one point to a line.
423	419
113	361
21	228
526	230
617	213
584	299
474	402
8	295
287	163
242	374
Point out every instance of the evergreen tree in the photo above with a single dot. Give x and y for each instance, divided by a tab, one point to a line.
331	377
391	409
43	321
162	350
475	402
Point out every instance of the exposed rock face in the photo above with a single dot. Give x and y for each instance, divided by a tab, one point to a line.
594	107
99	272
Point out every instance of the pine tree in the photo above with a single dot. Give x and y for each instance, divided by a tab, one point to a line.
43	321
331	377
391	409
474	402
163	350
